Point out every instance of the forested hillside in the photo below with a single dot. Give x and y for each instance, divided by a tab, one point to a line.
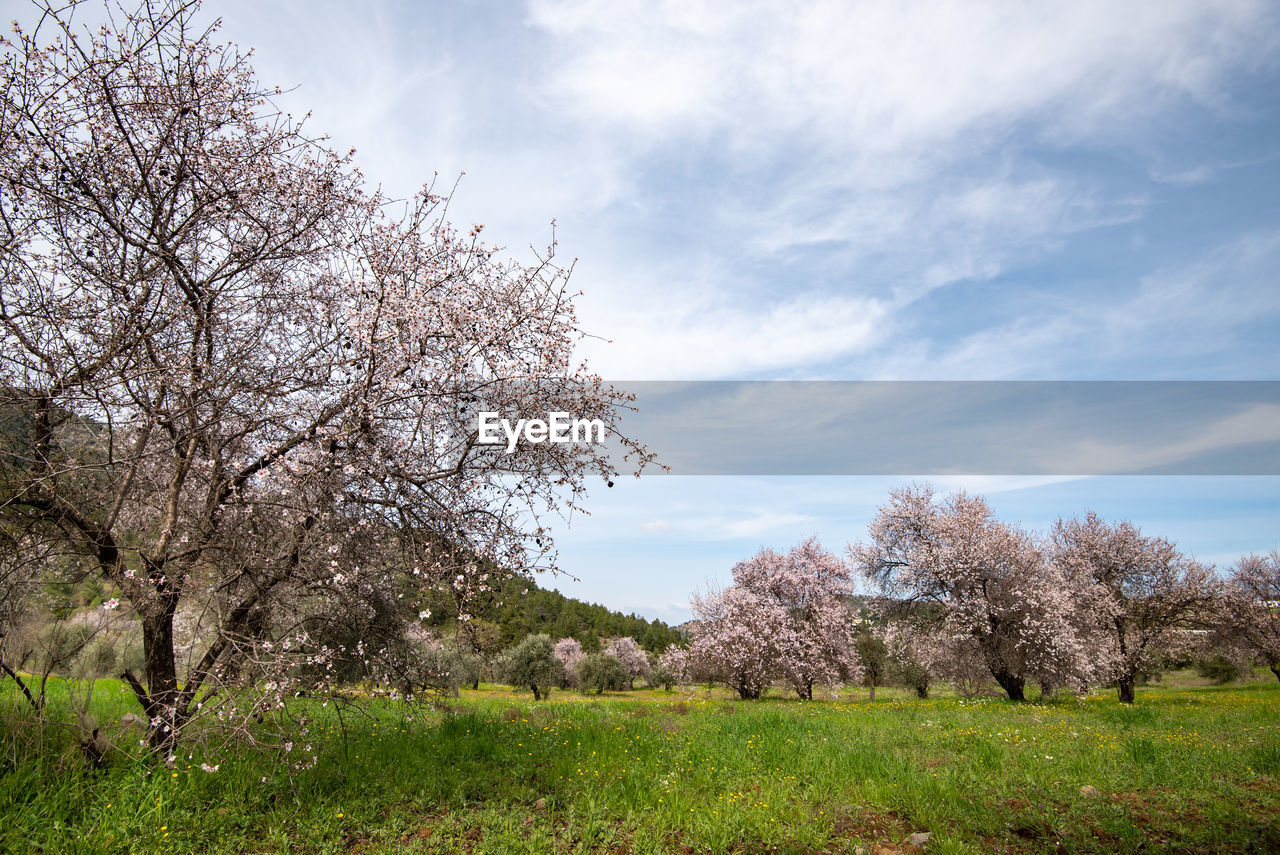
519	606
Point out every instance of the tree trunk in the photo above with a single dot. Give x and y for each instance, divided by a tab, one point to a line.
1275	669
1126	689
806	691
536	695
872	686
747	693
1013	686
160	697
1046	690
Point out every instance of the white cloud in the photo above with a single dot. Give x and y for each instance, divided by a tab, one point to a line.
734	524
1200	174
760	523
1234	283
669	335
888	77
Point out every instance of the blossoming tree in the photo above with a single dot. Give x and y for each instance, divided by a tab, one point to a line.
1139	595
785	616
248	384
569	652
995	589
671	668
631	655
1251	607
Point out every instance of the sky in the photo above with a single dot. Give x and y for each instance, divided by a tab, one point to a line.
840	191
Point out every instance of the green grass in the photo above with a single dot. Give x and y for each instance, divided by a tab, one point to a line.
1189	768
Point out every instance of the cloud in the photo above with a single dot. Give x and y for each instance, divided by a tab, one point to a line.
1252	428
710	334
1185	177
1165	325
1233	284
878	152
740	524
760	523
884	78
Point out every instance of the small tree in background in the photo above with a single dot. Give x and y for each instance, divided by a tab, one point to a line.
873	653
443	667
531	663
482	639
671	669
913	675
1221	668
909	650
465	665
569	652
601	671
632	657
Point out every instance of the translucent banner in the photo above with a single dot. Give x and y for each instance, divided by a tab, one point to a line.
958	428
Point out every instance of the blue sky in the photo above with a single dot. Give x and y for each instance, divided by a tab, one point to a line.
830	190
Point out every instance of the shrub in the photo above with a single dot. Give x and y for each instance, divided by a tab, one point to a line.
60	644
98	659
602	671
1220	669
913	675
664	677
447	668
874	655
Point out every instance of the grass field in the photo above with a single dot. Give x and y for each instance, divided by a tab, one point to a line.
1189	768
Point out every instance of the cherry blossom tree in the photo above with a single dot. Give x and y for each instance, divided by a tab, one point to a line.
632	657
785	616
995	589
672	667
569	652
248	384
1250	612
731	640
1140	595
